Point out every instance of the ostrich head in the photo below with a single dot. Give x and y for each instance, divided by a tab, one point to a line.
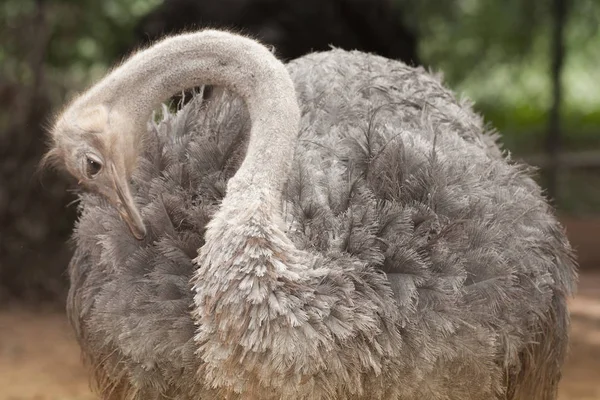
99	149
98	137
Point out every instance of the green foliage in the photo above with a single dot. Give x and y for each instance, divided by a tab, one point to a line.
462	37
83	37
497	52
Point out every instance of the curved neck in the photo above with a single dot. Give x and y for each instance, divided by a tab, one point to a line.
132	91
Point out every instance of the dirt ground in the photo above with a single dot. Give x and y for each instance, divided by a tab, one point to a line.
39	359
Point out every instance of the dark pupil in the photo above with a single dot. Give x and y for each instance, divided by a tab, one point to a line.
93	167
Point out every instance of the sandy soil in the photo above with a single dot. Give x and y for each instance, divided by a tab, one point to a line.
39	359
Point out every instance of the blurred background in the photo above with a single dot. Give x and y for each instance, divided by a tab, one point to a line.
532	67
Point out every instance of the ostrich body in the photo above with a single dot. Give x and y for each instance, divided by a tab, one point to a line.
371	243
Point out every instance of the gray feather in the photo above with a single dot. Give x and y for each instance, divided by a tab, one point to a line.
417	214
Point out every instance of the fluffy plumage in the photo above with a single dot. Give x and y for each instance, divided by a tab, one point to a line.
440	271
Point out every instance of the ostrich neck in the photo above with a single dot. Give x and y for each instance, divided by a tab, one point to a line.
139	86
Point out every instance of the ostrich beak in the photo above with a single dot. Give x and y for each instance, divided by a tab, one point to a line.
126	207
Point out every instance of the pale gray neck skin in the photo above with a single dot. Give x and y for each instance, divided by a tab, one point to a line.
132	91
244	241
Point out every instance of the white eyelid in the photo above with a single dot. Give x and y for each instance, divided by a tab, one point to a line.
94	158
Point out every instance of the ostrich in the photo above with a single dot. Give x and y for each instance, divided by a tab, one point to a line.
340	228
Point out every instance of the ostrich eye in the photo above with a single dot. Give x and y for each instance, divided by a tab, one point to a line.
92	167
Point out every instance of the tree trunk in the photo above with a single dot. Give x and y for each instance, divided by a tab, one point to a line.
553	139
